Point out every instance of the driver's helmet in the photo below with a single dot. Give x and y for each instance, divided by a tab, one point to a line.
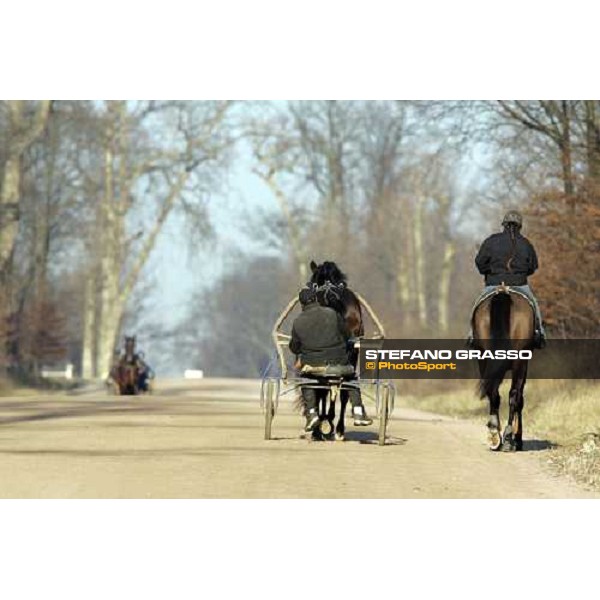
307	295
513	216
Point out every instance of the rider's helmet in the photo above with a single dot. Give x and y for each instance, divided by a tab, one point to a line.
513	216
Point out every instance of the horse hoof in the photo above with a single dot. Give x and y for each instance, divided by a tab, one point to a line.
494	439
326	428
509	443
339	437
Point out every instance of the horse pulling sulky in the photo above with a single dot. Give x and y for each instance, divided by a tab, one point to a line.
332	384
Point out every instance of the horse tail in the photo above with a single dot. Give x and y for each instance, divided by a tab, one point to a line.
299	404
494	371
485	387
500	310
512	230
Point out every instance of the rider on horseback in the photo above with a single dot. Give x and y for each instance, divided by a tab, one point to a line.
320	338
509	258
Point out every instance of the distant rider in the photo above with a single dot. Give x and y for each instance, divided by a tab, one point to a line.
508	257
320	338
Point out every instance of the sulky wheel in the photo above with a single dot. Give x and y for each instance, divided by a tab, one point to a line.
269	407
384	408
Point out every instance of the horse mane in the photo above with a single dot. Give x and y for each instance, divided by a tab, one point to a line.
328	271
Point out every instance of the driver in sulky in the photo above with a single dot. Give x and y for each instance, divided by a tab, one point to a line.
320	339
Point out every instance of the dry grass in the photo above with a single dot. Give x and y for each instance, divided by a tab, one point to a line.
35	387
565	413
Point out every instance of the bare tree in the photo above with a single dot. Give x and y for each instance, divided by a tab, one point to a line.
155	157
24	124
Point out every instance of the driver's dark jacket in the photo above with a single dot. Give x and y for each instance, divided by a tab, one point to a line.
319	336
494	253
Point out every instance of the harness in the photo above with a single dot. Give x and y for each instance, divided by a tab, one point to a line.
328	294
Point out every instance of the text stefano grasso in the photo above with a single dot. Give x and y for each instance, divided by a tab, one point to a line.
373	354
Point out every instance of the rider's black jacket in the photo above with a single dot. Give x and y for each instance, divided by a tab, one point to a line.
319	336
494	254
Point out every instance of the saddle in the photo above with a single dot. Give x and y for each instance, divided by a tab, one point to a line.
501	289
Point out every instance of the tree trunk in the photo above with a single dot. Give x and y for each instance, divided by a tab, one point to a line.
566	150
110	263
296	245
404	291
444	287
419	262
592	131
88	355
9	213
108	339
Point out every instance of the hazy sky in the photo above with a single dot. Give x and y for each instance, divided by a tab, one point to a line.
180	274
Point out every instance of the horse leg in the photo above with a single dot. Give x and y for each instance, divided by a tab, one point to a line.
321	406
508	437
513	433
490	386
493	424
340	430
328	425
521	405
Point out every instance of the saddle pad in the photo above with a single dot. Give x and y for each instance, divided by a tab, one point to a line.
501	290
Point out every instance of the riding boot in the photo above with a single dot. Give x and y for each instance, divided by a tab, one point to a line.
539	336
539	340
470	340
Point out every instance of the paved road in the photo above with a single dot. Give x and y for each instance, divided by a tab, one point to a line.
205	440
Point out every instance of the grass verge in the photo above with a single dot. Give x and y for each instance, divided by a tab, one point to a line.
565	413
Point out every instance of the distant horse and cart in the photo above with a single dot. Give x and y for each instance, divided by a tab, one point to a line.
130	375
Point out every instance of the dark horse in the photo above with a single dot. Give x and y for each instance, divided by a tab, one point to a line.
504	321
332	290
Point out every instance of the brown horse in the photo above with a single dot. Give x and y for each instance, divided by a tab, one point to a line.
126	372
504	321
127	379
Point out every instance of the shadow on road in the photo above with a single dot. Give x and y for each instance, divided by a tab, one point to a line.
537	445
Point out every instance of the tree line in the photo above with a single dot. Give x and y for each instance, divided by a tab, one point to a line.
398	193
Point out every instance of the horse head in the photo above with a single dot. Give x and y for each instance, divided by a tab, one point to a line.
326	271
